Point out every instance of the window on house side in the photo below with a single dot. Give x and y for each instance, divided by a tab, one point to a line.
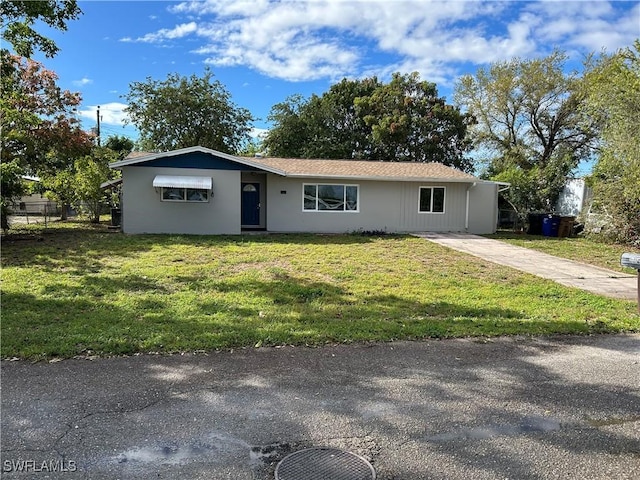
431	200
170	194
330	198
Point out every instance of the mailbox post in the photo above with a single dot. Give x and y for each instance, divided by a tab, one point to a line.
632	260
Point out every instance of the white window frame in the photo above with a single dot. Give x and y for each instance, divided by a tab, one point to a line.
184	195
344	185
444	200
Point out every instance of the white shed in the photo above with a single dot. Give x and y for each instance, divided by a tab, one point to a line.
574	197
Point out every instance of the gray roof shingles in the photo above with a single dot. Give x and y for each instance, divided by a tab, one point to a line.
354	169
363	169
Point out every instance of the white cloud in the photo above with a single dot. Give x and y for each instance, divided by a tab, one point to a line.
309	40
229	7
596	34
587	26
178	31
110	113
82	82
331	39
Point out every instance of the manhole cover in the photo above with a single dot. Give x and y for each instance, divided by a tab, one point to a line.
321	463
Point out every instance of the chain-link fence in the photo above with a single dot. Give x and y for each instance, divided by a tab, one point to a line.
34	212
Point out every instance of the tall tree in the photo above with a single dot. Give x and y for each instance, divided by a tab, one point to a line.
527	125
612	85
404	120
183	112
19	16
291	133
40	129
36	117
338	129
409	122
39	120
326	126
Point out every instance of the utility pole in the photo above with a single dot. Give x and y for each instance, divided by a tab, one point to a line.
98	127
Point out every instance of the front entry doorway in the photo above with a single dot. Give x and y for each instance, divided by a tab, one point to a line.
250	205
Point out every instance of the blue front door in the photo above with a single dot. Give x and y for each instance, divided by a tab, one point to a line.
250	204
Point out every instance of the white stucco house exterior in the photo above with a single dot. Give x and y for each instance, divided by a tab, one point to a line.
201	191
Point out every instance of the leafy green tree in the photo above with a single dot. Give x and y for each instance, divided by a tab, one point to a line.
612	85
37	119
78	185
338	130
291	133
119	144
409	122
526	119
90	172
18	18
404	120
40	129
59	186
184	112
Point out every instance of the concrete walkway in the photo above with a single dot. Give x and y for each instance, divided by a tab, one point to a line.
566	272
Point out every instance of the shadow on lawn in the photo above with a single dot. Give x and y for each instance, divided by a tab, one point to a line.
81	251
69	320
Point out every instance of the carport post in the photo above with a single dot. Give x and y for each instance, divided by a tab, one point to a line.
632	260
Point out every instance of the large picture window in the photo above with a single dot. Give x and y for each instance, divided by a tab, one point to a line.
330	198
431	199
171	194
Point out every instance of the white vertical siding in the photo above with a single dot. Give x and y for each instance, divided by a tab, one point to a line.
452	220
378	207
387	206
384	206
483	208
144	212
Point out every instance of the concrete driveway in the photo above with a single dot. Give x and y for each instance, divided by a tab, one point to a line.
510	408
596	280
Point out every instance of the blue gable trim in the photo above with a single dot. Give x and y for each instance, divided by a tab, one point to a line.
197	160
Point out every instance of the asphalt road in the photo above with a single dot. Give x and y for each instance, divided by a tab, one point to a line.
510	408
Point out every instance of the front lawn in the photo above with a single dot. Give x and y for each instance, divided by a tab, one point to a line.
77	289
580	249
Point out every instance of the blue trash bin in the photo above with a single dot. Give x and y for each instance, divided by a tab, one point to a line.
550	225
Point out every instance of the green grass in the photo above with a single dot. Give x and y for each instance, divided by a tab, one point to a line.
580	249
77	289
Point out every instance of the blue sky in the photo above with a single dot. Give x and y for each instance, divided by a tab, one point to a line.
264	50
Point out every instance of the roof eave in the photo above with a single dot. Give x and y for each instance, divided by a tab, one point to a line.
185	151
385	178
